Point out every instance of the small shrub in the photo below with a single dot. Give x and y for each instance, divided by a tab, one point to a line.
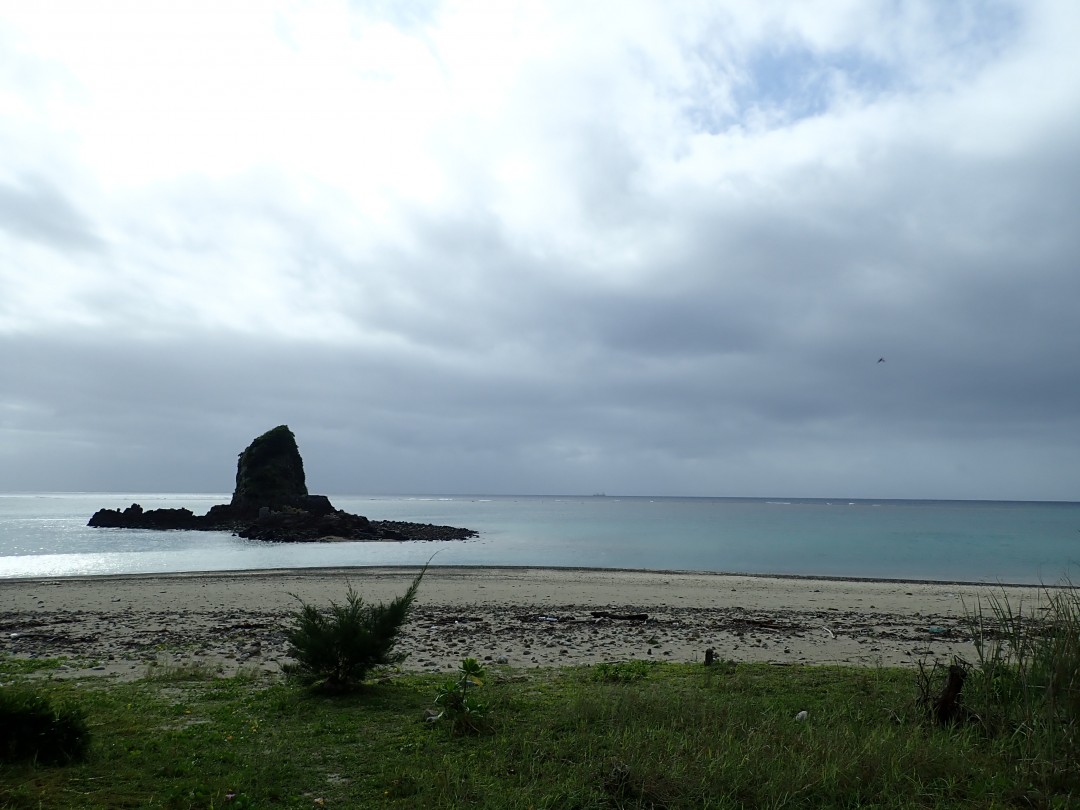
623	672
336	648
31	728
465	714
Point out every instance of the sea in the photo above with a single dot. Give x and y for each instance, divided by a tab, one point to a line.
45	535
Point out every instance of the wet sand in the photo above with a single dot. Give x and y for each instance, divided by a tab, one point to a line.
126	626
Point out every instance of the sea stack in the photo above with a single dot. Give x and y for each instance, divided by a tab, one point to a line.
270	473
271	502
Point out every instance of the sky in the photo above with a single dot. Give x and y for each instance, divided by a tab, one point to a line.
543	247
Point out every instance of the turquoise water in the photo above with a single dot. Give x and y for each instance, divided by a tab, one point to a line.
980	541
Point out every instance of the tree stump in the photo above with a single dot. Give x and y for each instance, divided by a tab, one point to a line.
947	708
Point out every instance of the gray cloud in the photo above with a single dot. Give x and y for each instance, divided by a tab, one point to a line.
35	209
657	261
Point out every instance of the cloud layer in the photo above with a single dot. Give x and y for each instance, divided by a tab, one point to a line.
541	248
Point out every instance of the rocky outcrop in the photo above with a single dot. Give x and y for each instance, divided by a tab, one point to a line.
134	517
271	502
270	473
297	526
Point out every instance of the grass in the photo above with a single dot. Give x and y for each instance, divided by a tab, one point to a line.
10	665
616	735
1025	687
646	735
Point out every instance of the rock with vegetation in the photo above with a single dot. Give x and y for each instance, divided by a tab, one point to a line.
271	502
270	473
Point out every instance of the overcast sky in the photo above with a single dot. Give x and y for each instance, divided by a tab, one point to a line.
551	247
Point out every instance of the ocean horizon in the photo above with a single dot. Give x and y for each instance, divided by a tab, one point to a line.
44	534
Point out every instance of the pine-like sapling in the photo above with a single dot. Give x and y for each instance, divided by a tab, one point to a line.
337	647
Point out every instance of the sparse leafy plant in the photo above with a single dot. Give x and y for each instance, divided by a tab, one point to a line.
32	728
337	647
464	713
621	672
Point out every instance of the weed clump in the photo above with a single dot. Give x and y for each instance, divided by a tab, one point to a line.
1023	690
461	709
621	672
32	728
336	648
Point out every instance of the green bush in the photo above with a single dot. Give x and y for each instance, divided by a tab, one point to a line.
464	713
32	728
336	648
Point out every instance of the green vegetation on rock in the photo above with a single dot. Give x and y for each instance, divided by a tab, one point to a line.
270	472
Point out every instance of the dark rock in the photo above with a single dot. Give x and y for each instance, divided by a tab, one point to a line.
270	473
316	504
400	530
134	517
293	524
271	502
220	516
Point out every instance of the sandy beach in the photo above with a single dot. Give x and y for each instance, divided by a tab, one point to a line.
127	626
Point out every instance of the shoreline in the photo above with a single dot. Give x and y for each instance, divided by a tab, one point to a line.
130	625
335	570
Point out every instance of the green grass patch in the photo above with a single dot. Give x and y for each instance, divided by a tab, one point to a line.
679	736
10	665
622	671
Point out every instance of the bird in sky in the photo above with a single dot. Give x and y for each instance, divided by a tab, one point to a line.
881	359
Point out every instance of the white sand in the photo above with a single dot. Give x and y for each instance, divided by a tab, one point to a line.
530	617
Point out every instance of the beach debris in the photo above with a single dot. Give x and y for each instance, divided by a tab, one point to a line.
937	631
801	716
541	617
456	619
830	633
626	617
751	624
